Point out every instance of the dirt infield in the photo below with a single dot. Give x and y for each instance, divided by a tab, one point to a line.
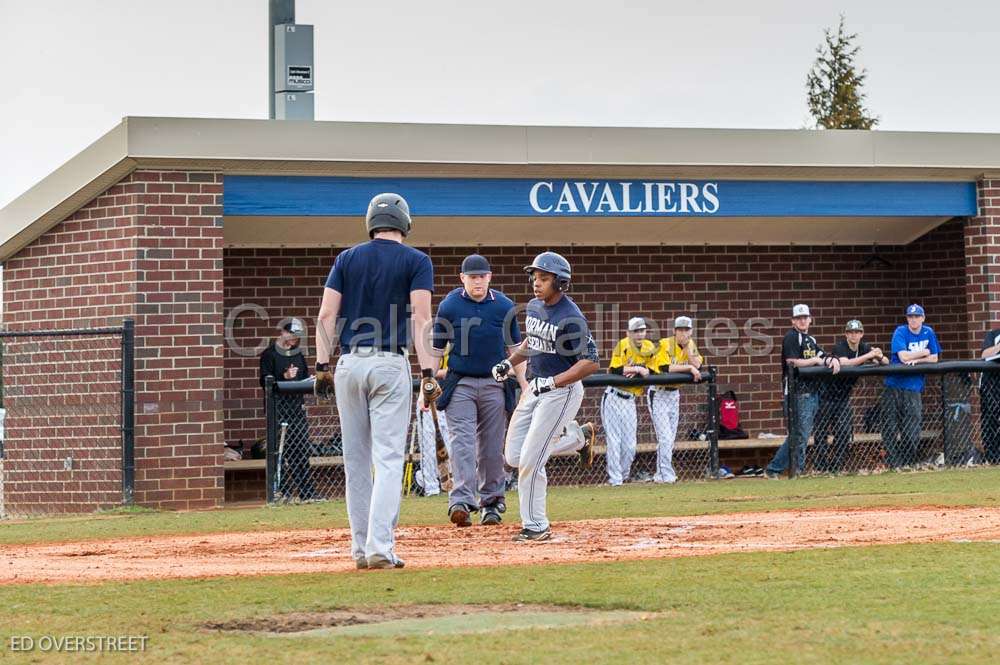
328	550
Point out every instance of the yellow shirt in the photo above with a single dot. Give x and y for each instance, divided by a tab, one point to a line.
625	355
669	353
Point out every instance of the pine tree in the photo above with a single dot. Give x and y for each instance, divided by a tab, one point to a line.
835	97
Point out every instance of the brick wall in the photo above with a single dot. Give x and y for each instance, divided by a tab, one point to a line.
149	248
614	283
982	272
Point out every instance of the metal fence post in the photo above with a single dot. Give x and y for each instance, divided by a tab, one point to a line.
793	421
270	408
128	412
944	421
713	424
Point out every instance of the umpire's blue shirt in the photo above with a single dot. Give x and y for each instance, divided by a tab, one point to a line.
374	280
479	332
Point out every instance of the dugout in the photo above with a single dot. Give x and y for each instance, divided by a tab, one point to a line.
183	224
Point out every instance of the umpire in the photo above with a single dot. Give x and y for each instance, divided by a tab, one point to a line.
481	325
283	359
368	293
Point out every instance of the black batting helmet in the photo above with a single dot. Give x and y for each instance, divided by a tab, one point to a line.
555	264
388	211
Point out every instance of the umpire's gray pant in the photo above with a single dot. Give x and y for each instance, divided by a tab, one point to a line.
374	393
477	421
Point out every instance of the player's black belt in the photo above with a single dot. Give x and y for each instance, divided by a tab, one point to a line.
619	393
665	388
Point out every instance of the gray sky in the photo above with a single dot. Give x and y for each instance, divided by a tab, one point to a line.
70	69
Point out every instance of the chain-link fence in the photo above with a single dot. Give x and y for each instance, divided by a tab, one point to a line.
657	429
868	419
66	426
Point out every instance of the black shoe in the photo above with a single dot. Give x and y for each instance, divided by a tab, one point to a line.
459	515
528	534
490	517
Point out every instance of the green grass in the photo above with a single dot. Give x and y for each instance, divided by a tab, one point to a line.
964	487
892	604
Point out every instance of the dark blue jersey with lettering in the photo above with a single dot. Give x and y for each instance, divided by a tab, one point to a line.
557	336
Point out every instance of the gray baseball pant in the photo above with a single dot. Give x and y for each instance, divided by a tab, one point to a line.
374	393
477	420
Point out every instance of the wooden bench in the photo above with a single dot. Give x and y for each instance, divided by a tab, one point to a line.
601	449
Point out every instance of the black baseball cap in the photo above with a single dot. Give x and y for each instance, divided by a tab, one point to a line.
474	264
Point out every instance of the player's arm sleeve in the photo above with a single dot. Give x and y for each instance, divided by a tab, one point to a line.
659	359
266	366
695	353
789	348
935	346
988	340
335	280
300	362
617	364
422	278
576	340
513	331
443	331
898	343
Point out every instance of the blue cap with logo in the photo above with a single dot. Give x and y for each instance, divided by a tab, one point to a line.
914	310
474	264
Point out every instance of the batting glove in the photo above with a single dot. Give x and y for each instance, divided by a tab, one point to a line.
323	388
502	370
539	386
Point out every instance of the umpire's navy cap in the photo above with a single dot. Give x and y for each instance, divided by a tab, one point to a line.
474	264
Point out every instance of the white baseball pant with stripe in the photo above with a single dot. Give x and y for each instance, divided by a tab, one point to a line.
427	477
533	437
664	411
618	415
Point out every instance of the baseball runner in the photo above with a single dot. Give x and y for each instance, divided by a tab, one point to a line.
560	352
631	357
675	354
365	300
481	326
427	476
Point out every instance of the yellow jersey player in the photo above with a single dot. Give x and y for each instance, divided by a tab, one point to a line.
631	357
675	354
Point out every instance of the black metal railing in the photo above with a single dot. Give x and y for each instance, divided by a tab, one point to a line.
304	447
872	418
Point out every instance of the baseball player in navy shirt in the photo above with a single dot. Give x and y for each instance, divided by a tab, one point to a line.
902	409
366	300
560	352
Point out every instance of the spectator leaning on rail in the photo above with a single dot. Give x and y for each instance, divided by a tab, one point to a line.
902	410
799	349
283	359
990	399
630	358
835	399
676	354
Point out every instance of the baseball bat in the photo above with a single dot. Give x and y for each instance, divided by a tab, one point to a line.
444	469
408	470
281	452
